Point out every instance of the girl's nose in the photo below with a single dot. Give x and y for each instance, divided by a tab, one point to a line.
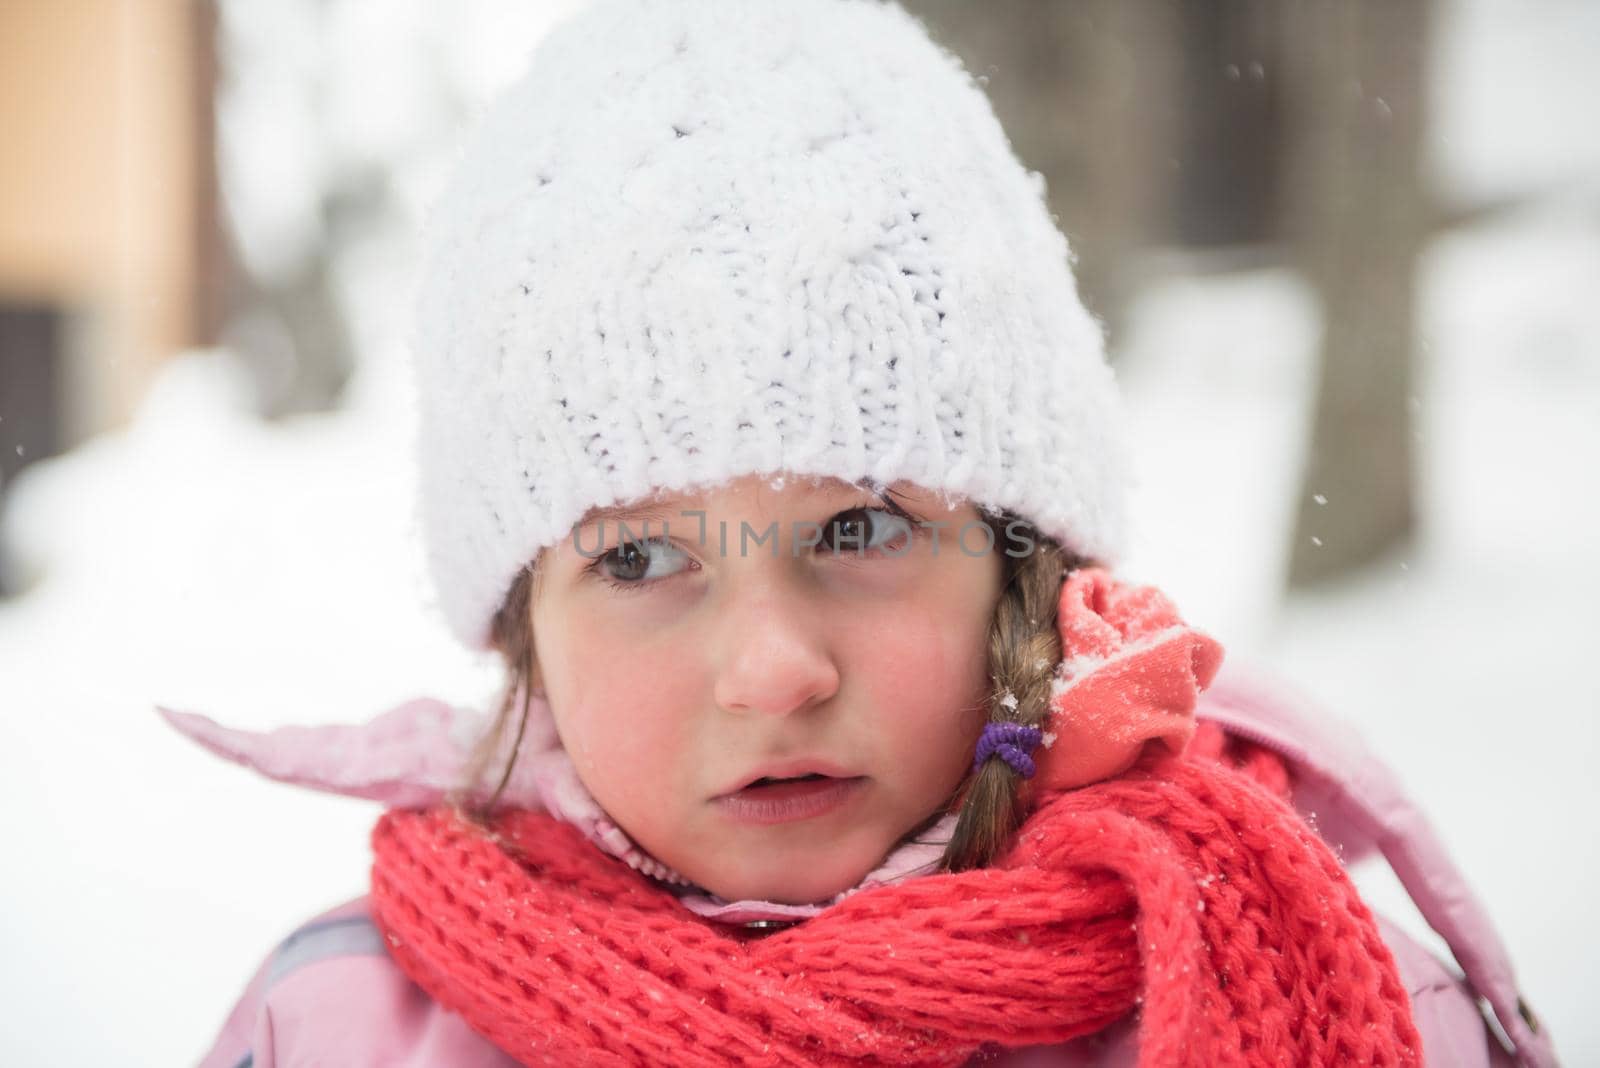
775	656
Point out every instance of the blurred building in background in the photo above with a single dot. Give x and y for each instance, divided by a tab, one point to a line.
108	239
131	223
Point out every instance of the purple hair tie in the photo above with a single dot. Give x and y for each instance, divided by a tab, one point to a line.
1012	742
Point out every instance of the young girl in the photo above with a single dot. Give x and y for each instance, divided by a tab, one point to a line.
764	436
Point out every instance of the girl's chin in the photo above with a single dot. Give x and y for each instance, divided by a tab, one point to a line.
798	880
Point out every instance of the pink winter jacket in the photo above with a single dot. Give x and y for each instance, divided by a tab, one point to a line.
329	994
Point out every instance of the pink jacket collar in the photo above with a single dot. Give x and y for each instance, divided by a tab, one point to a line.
414	755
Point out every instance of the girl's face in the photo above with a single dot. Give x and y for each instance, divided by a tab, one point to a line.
683	662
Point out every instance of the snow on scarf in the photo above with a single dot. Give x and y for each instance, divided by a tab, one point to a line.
1187	889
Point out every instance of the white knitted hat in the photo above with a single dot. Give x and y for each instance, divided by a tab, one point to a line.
701	239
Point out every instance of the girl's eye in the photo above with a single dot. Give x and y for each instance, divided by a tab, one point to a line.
860	530
634	563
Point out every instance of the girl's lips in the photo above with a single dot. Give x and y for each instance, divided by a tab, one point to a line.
783	802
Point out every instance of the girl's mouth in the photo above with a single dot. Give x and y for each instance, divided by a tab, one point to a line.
770	800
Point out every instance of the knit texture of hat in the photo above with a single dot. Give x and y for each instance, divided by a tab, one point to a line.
702	239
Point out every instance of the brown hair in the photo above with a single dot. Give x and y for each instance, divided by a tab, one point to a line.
1024	649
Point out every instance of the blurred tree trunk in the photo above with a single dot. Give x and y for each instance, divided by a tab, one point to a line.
1089	94
1356	215
1291	129
287	321
1229	144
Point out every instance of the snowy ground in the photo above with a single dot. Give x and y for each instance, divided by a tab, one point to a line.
269	575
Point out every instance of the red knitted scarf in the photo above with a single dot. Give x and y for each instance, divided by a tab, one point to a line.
1190	890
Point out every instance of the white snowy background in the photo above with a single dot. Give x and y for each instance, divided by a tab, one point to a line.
271	574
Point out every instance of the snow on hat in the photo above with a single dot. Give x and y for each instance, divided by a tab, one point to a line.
702	239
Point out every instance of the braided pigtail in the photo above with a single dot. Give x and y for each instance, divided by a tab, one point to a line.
1024	649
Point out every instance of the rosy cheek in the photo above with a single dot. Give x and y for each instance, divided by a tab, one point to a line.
918	670
624	723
